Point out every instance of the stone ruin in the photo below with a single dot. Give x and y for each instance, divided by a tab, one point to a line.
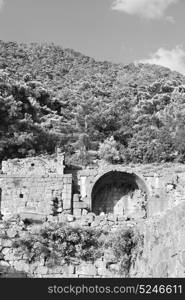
149	198
40	187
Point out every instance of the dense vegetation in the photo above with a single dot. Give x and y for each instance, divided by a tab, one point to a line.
52	96
59	243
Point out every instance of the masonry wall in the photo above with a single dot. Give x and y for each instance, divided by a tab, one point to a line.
34	166
39	195
164	246
165	184
162	253
35	186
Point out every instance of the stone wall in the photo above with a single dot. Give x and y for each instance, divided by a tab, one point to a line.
36	195
162	253
163	184
164	246
14	262
35	186
34	166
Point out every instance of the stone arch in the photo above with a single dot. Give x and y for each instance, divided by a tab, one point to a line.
120	193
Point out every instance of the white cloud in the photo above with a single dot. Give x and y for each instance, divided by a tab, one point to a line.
170	19
173	59
149	9
1	4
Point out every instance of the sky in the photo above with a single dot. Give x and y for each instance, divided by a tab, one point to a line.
123	31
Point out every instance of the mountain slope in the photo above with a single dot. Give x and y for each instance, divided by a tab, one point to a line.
53	96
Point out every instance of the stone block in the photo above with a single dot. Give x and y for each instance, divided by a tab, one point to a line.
99	263
105	273
55	270
6	243
112	217
109	256
4	264
21	266
84	212
76	198
77	212
183	258
11	257
86	270
162	270
33	216
67	187
114	268
68	270
70	218
67	204
62	218
95	223
81	205
30	208
90	217
42	270
102	270
6	251
52	219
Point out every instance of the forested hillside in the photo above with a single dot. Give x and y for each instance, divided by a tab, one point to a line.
52	96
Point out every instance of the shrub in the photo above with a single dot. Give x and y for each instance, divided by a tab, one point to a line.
124	245
108	150
58	244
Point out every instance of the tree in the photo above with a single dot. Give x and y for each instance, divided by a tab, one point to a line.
108	150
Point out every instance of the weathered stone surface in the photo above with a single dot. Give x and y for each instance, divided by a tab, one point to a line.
48	193
30	186
76	198
84	212
6	243
42	270
79	205
95	223
9	256
21	266
86	269
33	216
183	258
55	270
5	251
90	217
4	264
62	218
11	233
68	270
114	268
70	218
77	212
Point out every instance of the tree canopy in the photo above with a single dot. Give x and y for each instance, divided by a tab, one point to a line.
50	96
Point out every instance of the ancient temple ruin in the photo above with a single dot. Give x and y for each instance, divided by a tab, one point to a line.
43	186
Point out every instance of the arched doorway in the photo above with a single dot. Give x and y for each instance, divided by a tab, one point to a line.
120	193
